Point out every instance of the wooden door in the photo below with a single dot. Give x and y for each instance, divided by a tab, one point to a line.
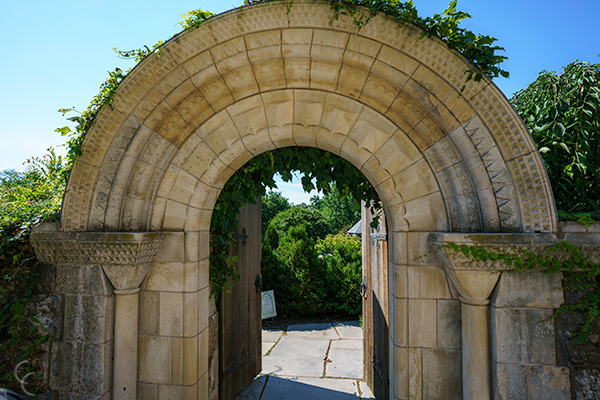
240	325
375	304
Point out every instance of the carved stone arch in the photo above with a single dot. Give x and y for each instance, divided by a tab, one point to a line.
476	139
270	76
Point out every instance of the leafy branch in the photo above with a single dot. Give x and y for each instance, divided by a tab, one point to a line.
562	112
478	49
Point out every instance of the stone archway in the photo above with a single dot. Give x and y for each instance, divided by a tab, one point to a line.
264	77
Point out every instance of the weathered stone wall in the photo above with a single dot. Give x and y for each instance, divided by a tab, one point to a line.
523	337
75	302
582	360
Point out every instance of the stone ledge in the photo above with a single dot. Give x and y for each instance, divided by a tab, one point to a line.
537	243
116	248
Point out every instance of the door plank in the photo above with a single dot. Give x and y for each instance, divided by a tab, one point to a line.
376	319
240	326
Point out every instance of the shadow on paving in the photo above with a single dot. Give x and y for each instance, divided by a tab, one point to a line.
311	361
294	388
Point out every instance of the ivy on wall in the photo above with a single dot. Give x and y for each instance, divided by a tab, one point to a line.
560	257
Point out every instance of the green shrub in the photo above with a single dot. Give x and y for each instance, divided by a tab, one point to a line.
343	272
296	274
309	278
279	226
272	204
26	198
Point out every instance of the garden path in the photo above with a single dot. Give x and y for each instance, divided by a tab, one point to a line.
311	361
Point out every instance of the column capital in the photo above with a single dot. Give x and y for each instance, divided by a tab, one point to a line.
475	279
125	257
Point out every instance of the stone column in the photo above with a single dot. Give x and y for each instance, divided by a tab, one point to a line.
475	281
475	288
125	259
475	349
126	344
126	279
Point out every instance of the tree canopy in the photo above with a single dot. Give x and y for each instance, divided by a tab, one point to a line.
562	112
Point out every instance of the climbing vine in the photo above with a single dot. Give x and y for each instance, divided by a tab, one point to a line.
478	49
560	257
253	180
85	118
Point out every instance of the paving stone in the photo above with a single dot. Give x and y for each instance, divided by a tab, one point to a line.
349	330
306	388
348	344
270	335
321	331
344	364
308	367
266	346
254	390
365	391
302	347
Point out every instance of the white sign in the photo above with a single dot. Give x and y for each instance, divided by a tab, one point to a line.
268	304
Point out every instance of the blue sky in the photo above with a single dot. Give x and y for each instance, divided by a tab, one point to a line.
56	54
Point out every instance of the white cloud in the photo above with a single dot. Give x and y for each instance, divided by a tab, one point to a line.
293	190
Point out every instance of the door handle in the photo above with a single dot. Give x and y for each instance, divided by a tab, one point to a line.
258	283
363	289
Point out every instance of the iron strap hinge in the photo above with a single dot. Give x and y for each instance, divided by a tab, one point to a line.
381	376
378	237
243	236
237	364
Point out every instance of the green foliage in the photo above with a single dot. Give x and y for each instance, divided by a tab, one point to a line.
253	179
305	270
560	257
248	183
314	278
26	198
139	54
272	204
584	218
85	118
340	212
562	112
343	276
317	226
478	49
194	18
29	197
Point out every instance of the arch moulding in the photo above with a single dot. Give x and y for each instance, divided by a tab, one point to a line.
265	77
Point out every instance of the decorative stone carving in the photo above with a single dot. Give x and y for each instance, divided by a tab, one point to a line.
125	257
95	247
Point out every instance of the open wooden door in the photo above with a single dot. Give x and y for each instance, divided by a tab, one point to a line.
375	304
240	325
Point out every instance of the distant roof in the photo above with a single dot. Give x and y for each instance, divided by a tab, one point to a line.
356	230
